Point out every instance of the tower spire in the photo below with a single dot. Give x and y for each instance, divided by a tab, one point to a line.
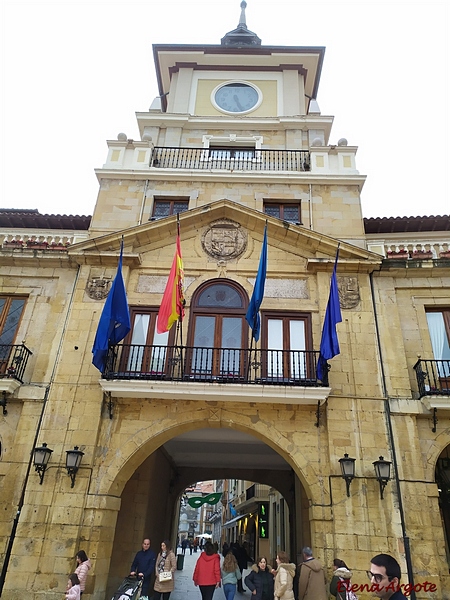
242	21
241	36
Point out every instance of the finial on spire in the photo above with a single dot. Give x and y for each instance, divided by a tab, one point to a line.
241	36
242	20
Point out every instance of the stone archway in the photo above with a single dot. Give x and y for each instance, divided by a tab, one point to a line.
160	424
442	477
148	509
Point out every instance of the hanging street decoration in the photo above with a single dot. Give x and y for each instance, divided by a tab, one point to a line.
209	499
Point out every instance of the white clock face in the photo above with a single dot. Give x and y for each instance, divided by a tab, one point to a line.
236	97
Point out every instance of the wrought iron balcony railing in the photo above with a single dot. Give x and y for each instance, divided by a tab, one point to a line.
222	365
13	361
230	160
433	377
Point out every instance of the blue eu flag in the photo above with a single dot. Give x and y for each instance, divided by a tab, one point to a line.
252	316
329	344
114	322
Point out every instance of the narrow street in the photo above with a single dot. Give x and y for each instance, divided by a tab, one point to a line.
185	588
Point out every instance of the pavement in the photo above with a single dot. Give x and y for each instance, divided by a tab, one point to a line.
185	588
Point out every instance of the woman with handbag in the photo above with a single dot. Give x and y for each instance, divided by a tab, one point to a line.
165	568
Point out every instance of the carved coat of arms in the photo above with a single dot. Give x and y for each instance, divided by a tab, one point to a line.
98	288
224	240
348	292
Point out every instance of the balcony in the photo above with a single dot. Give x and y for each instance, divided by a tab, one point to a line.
211	365
433	377
207	159
13	362
257	491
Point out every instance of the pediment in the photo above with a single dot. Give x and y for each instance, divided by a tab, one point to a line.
225	231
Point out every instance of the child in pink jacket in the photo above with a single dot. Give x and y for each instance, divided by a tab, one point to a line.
73	588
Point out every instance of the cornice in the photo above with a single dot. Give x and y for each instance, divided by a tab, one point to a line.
106	259
186	175
186	121
366	265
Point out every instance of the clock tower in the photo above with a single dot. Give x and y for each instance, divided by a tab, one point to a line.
242	114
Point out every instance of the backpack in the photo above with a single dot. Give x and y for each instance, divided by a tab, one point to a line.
349	595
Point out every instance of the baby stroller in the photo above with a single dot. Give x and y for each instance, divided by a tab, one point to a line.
129	589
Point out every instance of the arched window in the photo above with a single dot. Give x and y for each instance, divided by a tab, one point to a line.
218	332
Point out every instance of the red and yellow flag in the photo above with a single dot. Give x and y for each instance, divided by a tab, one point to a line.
172	305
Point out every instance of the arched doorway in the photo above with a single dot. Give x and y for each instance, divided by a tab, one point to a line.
442	475
150	500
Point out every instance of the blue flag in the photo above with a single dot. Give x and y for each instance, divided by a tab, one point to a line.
329	344
114	322
252	316
232	510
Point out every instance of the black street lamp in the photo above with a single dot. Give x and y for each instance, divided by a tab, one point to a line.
73	461
382	473
41	457
348	470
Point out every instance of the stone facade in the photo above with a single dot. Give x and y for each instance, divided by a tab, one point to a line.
127	485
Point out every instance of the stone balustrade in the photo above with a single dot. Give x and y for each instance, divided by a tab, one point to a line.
424	250
35	242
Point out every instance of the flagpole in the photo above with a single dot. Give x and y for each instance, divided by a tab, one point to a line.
249	357
252	315
329	344
180	318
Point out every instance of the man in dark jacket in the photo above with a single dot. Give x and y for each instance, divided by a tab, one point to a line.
385	576
311	582
184	545
240	553
143	566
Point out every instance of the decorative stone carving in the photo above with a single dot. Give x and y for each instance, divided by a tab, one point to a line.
284	288
224	240
156	284
348	292
215	414
98	288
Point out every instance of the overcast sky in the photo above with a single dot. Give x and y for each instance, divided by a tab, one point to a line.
75	72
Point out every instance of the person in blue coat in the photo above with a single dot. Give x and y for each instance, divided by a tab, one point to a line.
143	566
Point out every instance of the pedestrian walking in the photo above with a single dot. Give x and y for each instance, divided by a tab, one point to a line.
311	583
73	588
166	565
231	574
84	564
260	580
143	566
207	572
340	586
284	578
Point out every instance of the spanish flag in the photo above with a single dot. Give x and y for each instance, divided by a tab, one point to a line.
172	305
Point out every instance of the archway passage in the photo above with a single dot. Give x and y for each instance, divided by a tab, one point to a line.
443	481
150	500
